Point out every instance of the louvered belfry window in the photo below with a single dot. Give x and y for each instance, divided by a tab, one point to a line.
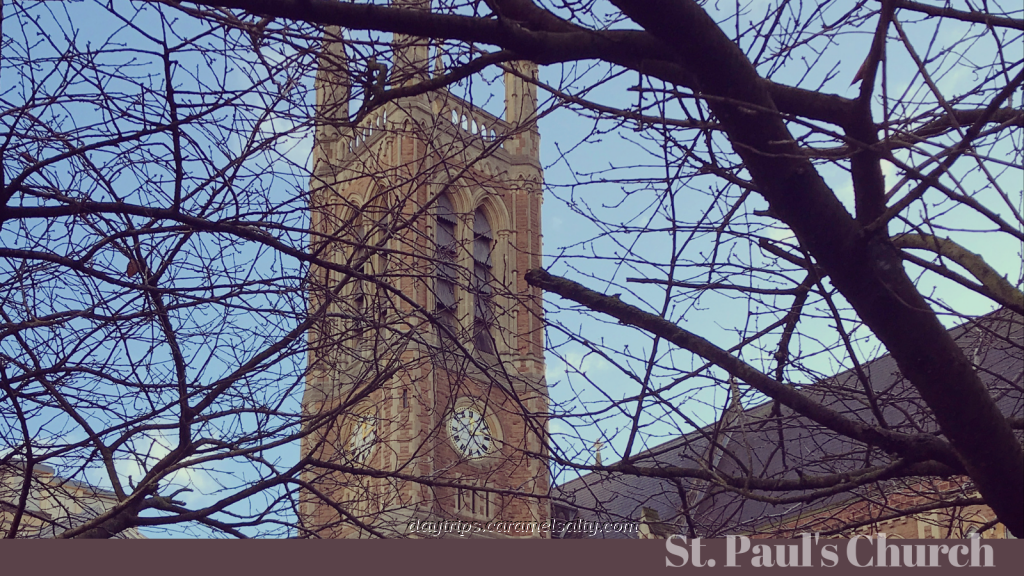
483	305
447	251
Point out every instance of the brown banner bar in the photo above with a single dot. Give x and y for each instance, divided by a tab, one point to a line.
490	557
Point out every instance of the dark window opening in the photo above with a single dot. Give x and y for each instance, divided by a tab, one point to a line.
483	305
445	256
360	297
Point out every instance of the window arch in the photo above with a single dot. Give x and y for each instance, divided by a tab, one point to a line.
483	301
358	297
364	233
445	257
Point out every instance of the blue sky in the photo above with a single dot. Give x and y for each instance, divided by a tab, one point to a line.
595	170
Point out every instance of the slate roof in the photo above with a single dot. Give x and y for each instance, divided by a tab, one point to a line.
751	436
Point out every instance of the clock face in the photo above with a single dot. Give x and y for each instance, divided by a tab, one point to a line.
364	436
470	433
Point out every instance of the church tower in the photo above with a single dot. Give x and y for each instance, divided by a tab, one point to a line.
425	394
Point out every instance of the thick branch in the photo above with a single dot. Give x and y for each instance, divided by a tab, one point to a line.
543	40
914	448
977	17
999	288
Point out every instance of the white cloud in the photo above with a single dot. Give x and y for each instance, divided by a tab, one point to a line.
780	232
147	451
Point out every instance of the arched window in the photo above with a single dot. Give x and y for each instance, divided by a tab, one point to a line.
361	261
375	236
483	305
444	288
